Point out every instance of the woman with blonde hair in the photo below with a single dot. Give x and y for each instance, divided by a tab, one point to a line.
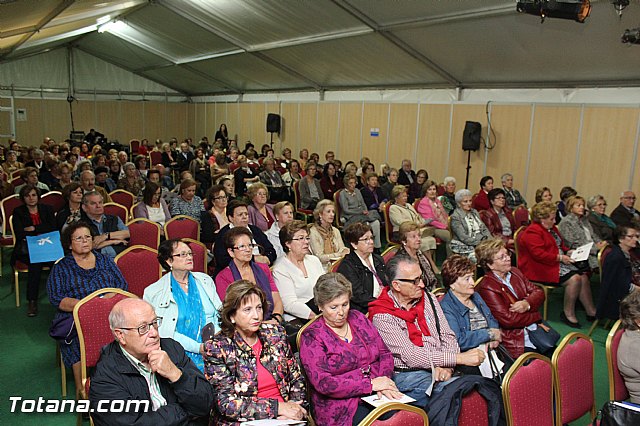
260	213
326	241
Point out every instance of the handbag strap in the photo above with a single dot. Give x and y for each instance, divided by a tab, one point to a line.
435	313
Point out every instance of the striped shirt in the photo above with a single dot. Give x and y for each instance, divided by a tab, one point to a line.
157	400
438	350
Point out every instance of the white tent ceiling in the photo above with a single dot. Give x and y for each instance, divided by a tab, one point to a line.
216	47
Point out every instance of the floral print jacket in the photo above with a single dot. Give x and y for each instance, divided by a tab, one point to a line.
231	367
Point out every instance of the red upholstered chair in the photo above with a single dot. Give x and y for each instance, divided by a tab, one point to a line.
439	293
617	388
155	157
334	265
573	375
91	316
390	252
182	226
388	227
7	206
474	410
440	189
336	202
527	391
115	209
305	213
521	216
134	147
122	197
602	255
140	268
199	251
406	415
16	182
54	199
16	173
144	232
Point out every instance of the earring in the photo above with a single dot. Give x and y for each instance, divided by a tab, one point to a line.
233	321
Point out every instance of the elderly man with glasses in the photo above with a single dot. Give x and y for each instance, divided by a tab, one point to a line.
156	381
625	214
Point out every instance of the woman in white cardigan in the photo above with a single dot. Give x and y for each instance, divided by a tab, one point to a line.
296	273
326	241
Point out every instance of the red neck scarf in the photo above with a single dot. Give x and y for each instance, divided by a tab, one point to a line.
384	305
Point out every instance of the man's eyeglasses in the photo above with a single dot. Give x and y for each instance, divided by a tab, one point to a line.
183	255
82	238
414	281
144	328
244	247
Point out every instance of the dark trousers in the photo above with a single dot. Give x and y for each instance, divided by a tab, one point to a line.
34	272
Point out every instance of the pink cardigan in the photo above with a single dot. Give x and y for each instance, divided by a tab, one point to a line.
256	218
225	278
426	211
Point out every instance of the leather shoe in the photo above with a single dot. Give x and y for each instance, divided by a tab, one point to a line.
570	323
32	311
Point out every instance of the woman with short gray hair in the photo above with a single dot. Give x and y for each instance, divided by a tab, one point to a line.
467	228
602	224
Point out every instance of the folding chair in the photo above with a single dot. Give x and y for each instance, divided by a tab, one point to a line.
144	232
91	316
115	209
573	375
122	197
617	388
54	199
182	226
199	251
527	391
140	268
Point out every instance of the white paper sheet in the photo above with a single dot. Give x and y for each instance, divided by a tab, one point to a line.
582	252
272	422
376	402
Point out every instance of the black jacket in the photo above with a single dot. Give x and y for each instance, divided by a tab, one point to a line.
616	279
21	220
621	217
110	225
444	407
361	279
189	399
403	179
183	163
222	257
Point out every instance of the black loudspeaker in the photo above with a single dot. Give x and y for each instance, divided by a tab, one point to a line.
471	136
273	123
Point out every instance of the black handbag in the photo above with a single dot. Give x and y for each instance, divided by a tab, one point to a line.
503	355
544	340
63	329
615	413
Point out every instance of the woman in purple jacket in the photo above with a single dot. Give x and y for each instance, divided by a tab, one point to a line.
344	357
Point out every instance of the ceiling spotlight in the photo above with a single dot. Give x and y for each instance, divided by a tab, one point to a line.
619	6
577	10
631	36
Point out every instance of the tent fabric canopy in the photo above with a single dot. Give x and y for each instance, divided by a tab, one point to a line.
232	47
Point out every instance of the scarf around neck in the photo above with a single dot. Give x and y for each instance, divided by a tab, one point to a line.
385	305
327	238
261	280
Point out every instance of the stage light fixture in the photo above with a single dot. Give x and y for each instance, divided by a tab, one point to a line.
631	36
574	10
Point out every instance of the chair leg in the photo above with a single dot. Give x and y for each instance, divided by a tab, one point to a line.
17	287
63	372
593	327
546	303
1	254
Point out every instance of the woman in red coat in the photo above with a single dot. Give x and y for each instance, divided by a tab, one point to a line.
513	300
544	257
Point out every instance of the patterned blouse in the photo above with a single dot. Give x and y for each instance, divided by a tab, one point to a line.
191	208
231	367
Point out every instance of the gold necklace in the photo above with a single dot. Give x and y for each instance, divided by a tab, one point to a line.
346	333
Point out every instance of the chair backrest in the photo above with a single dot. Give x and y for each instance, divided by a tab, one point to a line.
617	388
199	251
115	209
474	410
416	202
388	227
134	146
91	316
155	157
602	255
303	328
140	268
16	182
390	252
573	375
296	194
53	199
516	237
439	293
336	202
334	266
527	391
144	232
406	415
182	226
122	197
7	206
521	216
16	173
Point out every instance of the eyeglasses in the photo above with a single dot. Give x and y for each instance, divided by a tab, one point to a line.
144	328
366	239
245	247
601	205
505	256
414	281
221	197
183	254
301	239
82	238
499	198
629	198
632	236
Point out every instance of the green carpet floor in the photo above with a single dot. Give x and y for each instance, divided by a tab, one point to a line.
28	365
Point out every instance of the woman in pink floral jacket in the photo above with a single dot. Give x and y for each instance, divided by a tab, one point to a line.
250	364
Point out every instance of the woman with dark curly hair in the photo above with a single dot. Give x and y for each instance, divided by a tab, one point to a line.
250	364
